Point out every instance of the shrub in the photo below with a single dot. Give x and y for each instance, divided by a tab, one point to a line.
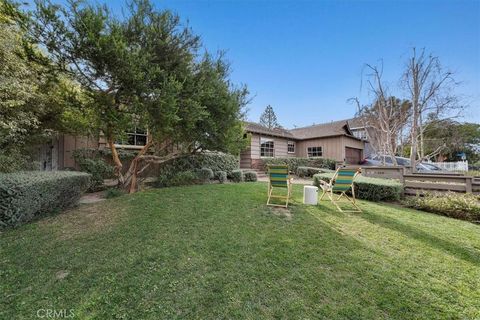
113	193
250	176
216	161
465	206
205	174
221	176
178	179
14	160
373	189
294	163
303	172
25	195
237	175
92	161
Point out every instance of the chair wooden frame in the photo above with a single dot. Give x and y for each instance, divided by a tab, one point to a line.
328	189
286	184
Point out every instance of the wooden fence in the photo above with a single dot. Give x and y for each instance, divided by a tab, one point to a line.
420	182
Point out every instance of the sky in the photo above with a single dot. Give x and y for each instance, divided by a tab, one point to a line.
306	58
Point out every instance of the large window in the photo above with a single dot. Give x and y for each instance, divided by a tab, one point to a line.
267	147
314	151
291	147
134	137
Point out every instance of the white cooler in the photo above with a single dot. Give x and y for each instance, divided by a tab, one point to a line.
310	195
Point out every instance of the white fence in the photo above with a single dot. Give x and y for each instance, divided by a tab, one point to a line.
452	166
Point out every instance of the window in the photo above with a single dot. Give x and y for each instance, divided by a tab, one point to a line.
266	147
134	137
291	147
314	151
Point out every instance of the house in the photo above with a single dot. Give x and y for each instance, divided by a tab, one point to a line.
334	140
359	130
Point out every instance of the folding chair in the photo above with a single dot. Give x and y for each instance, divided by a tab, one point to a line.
341	182
279	178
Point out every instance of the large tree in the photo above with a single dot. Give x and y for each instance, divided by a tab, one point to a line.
144	70
430	88
35	100
385	118
445	139
269	118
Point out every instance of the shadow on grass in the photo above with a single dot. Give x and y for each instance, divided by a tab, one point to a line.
429	239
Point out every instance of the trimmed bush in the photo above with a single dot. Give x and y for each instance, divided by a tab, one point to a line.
237	175
205	174
183	178
216	161
221	176
304	172
373	189
294	163
250	176
465	206
92	161
25	195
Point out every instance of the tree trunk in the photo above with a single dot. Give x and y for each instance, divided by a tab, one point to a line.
116	159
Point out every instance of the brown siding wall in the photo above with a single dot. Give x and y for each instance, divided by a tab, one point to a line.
332	148
72	143
280	145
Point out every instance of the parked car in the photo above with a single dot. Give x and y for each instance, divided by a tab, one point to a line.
401	161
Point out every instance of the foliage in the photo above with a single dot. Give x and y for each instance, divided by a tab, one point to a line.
372	189
250	176
144	69
205	174
269	118
216	161
91	162
303	172
294	163
25	195
452	137
388	263
14	160
221	176
465	206
182	178
236	176
113	193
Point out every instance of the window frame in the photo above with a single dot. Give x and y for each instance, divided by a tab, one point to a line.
262	149
313	156
290	143
133	133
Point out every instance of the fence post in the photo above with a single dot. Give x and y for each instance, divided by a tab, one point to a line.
468	184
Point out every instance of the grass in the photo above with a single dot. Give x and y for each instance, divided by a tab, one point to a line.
216	251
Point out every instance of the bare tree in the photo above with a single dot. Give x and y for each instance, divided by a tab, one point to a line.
383	119
429	87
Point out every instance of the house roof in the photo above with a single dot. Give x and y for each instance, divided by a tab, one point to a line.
334	128
331	129
355	123
276	132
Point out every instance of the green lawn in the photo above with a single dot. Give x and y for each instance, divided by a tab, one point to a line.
217	251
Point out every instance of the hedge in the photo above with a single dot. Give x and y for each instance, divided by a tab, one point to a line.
373	189
465	206
294	163
216	161
25	195
303	172
237	175
221	176
250	176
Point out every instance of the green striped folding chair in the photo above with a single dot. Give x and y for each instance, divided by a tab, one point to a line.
341	182
279	178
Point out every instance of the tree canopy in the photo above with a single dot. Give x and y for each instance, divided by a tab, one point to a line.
145	69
